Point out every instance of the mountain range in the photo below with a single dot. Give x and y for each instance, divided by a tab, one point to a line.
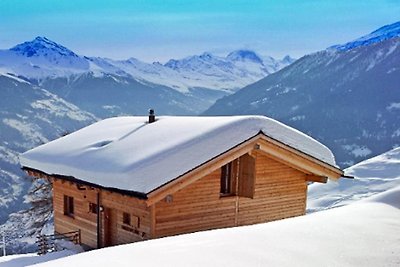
347	96
185	86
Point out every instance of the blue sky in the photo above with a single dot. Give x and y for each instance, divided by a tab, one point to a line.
160	30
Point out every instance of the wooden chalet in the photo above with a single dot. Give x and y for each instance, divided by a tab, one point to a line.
128	179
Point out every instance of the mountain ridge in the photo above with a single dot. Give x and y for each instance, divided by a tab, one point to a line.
383	33
43	58
347	99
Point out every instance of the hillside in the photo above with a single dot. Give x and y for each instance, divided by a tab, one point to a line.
29	116
371	176
347	96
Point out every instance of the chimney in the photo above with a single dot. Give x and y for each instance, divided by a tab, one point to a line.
152	117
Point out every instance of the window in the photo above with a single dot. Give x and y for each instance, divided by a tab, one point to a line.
238	177
126	218
226	179
92	208
130	222
68	206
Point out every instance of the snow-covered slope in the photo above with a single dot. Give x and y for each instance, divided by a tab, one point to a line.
362	234
347	99
371	176
29	116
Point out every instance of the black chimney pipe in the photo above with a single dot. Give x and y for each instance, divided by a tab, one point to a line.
152	117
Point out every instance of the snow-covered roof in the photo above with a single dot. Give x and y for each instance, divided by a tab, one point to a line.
130	154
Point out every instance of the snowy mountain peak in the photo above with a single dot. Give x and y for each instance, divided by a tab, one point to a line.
42	46
384	33
288	60
206	56
244	55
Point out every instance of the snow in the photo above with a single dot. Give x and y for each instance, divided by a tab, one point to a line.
361	234
372	176
5	72
59	108
145	156
28	130
357	151
23	260
393	106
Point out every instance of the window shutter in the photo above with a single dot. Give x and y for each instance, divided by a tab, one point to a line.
247	165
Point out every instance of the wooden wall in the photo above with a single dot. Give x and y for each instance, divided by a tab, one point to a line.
115	204
112	230
194	208
280	192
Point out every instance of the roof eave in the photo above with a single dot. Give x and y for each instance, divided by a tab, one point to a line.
41	174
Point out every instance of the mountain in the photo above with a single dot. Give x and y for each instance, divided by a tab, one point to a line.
371	176
41	46
112	95
349	99
186	86
384	33
237	69
41	58
29	116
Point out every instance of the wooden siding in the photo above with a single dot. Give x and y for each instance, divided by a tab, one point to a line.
113	231
196	207
280	192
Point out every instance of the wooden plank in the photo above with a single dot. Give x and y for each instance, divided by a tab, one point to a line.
315	178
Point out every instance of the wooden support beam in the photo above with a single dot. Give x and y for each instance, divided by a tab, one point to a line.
153	221
297	159
317	179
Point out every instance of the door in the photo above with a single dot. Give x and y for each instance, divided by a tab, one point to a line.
110	227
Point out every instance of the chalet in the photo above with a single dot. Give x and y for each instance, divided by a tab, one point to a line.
128	179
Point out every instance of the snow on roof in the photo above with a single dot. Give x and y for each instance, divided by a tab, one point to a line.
128	153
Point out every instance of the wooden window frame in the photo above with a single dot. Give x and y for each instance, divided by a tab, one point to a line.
126	218
227	178
130	222
93	208
238	177
69	209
